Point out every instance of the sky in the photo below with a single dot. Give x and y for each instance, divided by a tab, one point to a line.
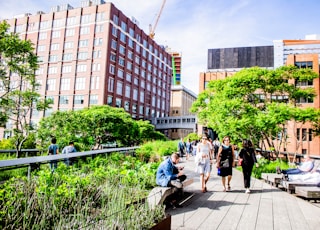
191	27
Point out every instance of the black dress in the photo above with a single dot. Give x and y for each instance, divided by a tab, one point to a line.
226	153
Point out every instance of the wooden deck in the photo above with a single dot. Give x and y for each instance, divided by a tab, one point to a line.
266	207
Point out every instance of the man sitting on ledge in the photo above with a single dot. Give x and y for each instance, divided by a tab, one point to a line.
305	167
168	174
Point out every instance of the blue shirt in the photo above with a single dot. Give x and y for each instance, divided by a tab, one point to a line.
166	172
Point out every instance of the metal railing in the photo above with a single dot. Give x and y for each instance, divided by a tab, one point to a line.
32	162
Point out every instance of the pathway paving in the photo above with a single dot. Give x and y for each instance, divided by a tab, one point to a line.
265	208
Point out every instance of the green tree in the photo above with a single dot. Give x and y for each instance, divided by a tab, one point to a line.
18	97
85	126
256	103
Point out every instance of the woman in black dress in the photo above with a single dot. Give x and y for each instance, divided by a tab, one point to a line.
248	158
225	162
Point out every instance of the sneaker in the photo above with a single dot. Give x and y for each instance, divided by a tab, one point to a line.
176	184
247	190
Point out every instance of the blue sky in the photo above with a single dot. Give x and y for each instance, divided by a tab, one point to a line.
194	26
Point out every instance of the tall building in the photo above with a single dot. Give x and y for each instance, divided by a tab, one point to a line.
176	68
225	62
95	55
304	54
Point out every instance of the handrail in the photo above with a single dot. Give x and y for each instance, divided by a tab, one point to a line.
30	161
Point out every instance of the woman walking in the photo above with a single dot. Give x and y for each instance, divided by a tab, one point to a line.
225	162
203	161
248	158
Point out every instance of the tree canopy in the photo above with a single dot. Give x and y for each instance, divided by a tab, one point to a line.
85	126
257	103
18	85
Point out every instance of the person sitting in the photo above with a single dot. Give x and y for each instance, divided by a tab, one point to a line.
168	174
306	166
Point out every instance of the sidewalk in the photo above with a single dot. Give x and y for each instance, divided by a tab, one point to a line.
265	208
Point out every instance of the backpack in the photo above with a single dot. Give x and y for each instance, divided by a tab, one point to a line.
50	150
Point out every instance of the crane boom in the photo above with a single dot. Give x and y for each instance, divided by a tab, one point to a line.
152	29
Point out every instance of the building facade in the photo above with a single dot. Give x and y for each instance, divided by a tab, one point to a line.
95	55
304	54
224	63
181	121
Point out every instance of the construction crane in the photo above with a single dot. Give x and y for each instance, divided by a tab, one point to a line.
153	28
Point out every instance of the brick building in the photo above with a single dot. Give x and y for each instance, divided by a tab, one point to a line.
95	55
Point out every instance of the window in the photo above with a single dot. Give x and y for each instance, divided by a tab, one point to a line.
71	21
54	46
81	68
78	99
95	82
113	57
127	105
114	31
110	84
83	43
85	18
68	45
64	100
141	96
66	69
58	23
56	34
67	57
96	67
128	90
304	134
96	54
122	37
118	102
53	58
298	134
41	48
69	32
135	94
109	101
52	70
128	77
119	87
100	16
82	55
39	71
51	84
80	83
93	99
114	44
304	100
85	30
304	65
120	73
310	134
99	28
65	84
121	61
98	42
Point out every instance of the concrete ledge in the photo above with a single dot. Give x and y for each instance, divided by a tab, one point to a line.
308	192
272	178
158	194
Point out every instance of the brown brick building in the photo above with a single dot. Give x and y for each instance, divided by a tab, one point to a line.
226	62
95	55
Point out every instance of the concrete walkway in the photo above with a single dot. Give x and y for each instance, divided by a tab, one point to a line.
265	208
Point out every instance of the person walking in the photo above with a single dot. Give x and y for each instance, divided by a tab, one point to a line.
69	149
216	145
53	150
247	157
225	162
188	149
181	147
203	162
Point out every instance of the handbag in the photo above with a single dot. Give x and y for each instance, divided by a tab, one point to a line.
240	162
224	164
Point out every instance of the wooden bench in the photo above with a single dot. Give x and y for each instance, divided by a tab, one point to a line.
308	192
158	194
272	178
290	186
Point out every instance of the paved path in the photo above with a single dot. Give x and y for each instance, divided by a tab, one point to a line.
265	208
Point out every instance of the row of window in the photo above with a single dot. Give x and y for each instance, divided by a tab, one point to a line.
69	45
65	84
143	110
